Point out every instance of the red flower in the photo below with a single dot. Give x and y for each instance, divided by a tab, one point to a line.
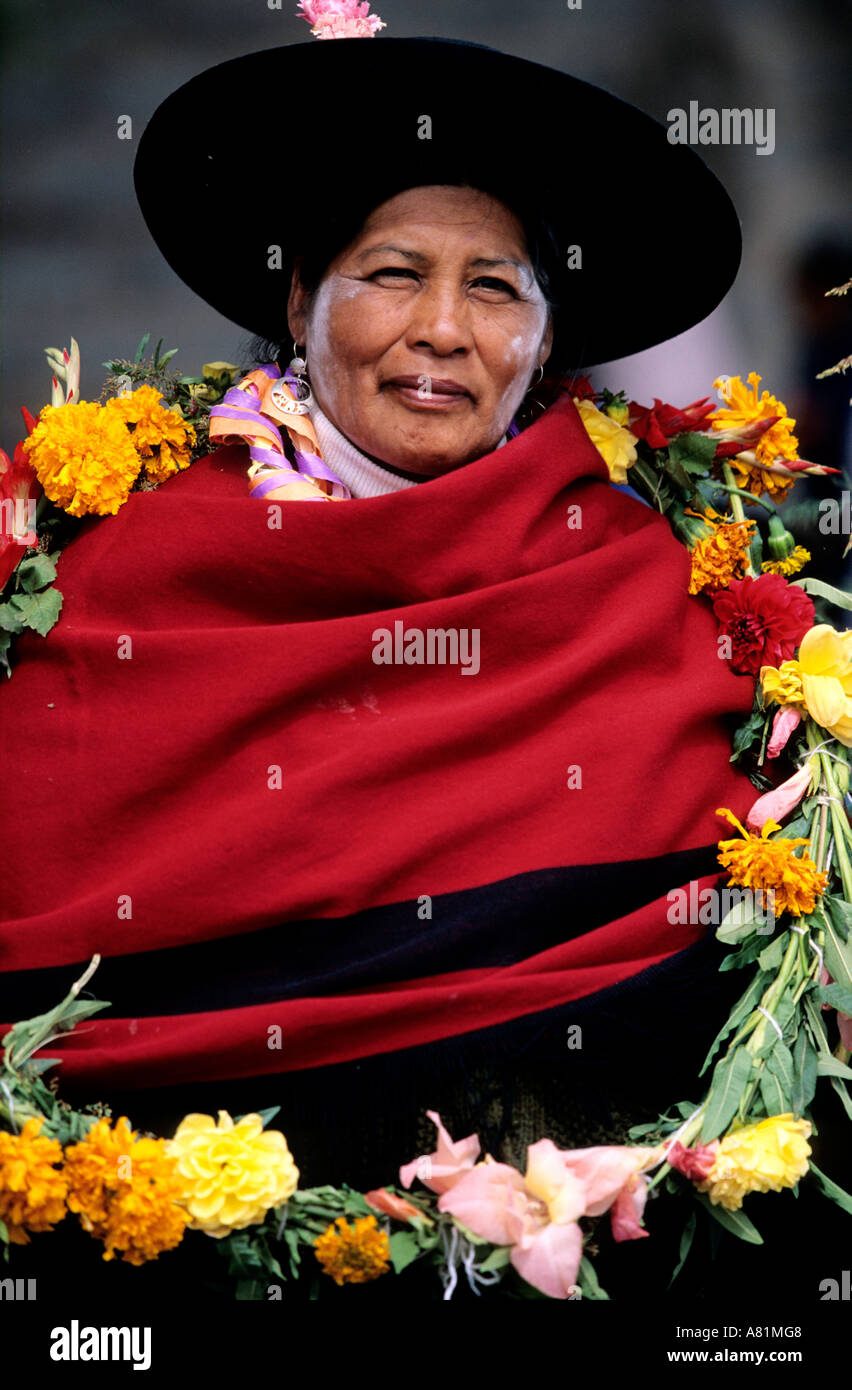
765	618
580	389
694	1163
19	489
658	423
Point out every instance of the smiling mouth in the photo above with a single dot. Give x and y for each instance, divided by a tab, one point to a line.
428	393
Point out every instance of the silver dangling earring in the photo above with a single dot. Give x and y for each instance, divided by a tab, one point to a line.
298	382
529	399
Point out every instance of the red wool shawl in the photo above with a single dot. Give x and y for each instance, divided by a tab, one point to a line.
289	854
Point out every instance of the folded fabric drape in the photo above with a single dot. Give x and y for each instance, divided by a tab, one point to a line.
324	783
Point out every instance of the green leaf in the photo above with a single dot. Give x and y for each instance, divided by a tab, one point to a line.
837	953
772	1094
167	357
35	572
694	452
588	1281
749	732
780	1064
10	618
4	1233
404	1249
772	955
729	1081
738	922
141	348
832	1066
831	1189
38	611
845	1098
804	1072
835	995
826	591
735	1221
685	1245
740	1012
498	1259
746	955
840	914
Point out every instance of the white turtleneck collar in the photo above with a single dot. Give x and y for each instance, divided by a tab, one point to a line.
362	476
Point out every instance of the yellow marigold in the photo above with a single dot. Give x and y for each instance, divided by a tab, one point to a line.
721	556
32	1188
83	457
231	1174
616	445
818	681
758	481
161	437
353	1254
125	1190
791	564
742	407
771	865
761	1157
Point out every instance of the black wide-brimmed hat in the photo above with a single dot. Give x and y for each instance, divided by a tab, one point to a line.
285	142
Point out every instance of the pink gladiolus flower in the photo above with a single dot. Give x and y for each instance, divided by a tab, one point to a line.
785	721
391	1205
340	19
695	1163
440	1170
777	804
537	1214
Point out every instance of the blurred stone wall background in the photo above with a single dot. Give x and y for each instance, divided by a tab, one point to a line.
77	259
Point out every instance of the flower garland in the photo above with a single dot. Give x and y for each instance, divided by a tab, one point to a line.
471	1217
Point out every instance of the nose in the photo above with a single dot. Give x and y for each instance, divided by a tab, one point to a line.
440	320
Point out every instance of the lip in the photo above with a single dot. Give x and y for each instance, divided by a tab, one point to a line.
437	386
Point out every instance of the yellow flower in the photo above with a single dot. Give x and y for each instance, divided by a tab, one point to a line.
770	865
32	1189
83	457
758	1158
742	407
161	437
353	1254
616	446
721	556
125	1190
231	1174
790	564
819	681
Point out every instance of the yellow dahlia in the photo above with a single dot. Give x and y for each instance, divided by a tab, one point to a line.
818	681
83	457
230	1173
756	861
32	1188
353	1254
125	1191
161	437
721	556
790	564
761	1157
616	445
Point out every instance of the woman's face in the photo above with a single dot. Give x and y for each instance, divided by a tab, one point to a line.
425	333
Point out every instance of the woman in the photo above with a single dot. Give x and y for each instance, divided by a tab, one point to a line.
325	870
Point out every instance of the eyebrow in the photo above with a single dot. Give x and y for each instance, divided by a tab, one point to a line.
417	259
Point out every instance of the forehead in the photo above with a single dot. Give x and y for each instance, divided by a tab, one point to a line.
440	211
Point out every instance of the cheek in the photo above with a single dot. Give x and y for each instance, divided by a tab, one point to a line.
349	326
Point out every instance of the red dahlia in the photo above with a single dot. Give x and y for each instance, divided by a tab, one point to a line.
765	618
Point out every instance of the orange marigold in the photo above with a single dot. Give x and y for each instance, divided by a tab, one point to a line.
353	1254
743	407
161	437
721	556
32	1188
124	1190
756	861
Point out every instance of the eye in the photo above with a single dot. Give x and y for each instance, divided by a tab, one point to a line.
491	282
394	270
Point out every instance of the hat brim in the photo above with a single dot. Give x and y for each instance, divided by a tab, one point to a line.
279	138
